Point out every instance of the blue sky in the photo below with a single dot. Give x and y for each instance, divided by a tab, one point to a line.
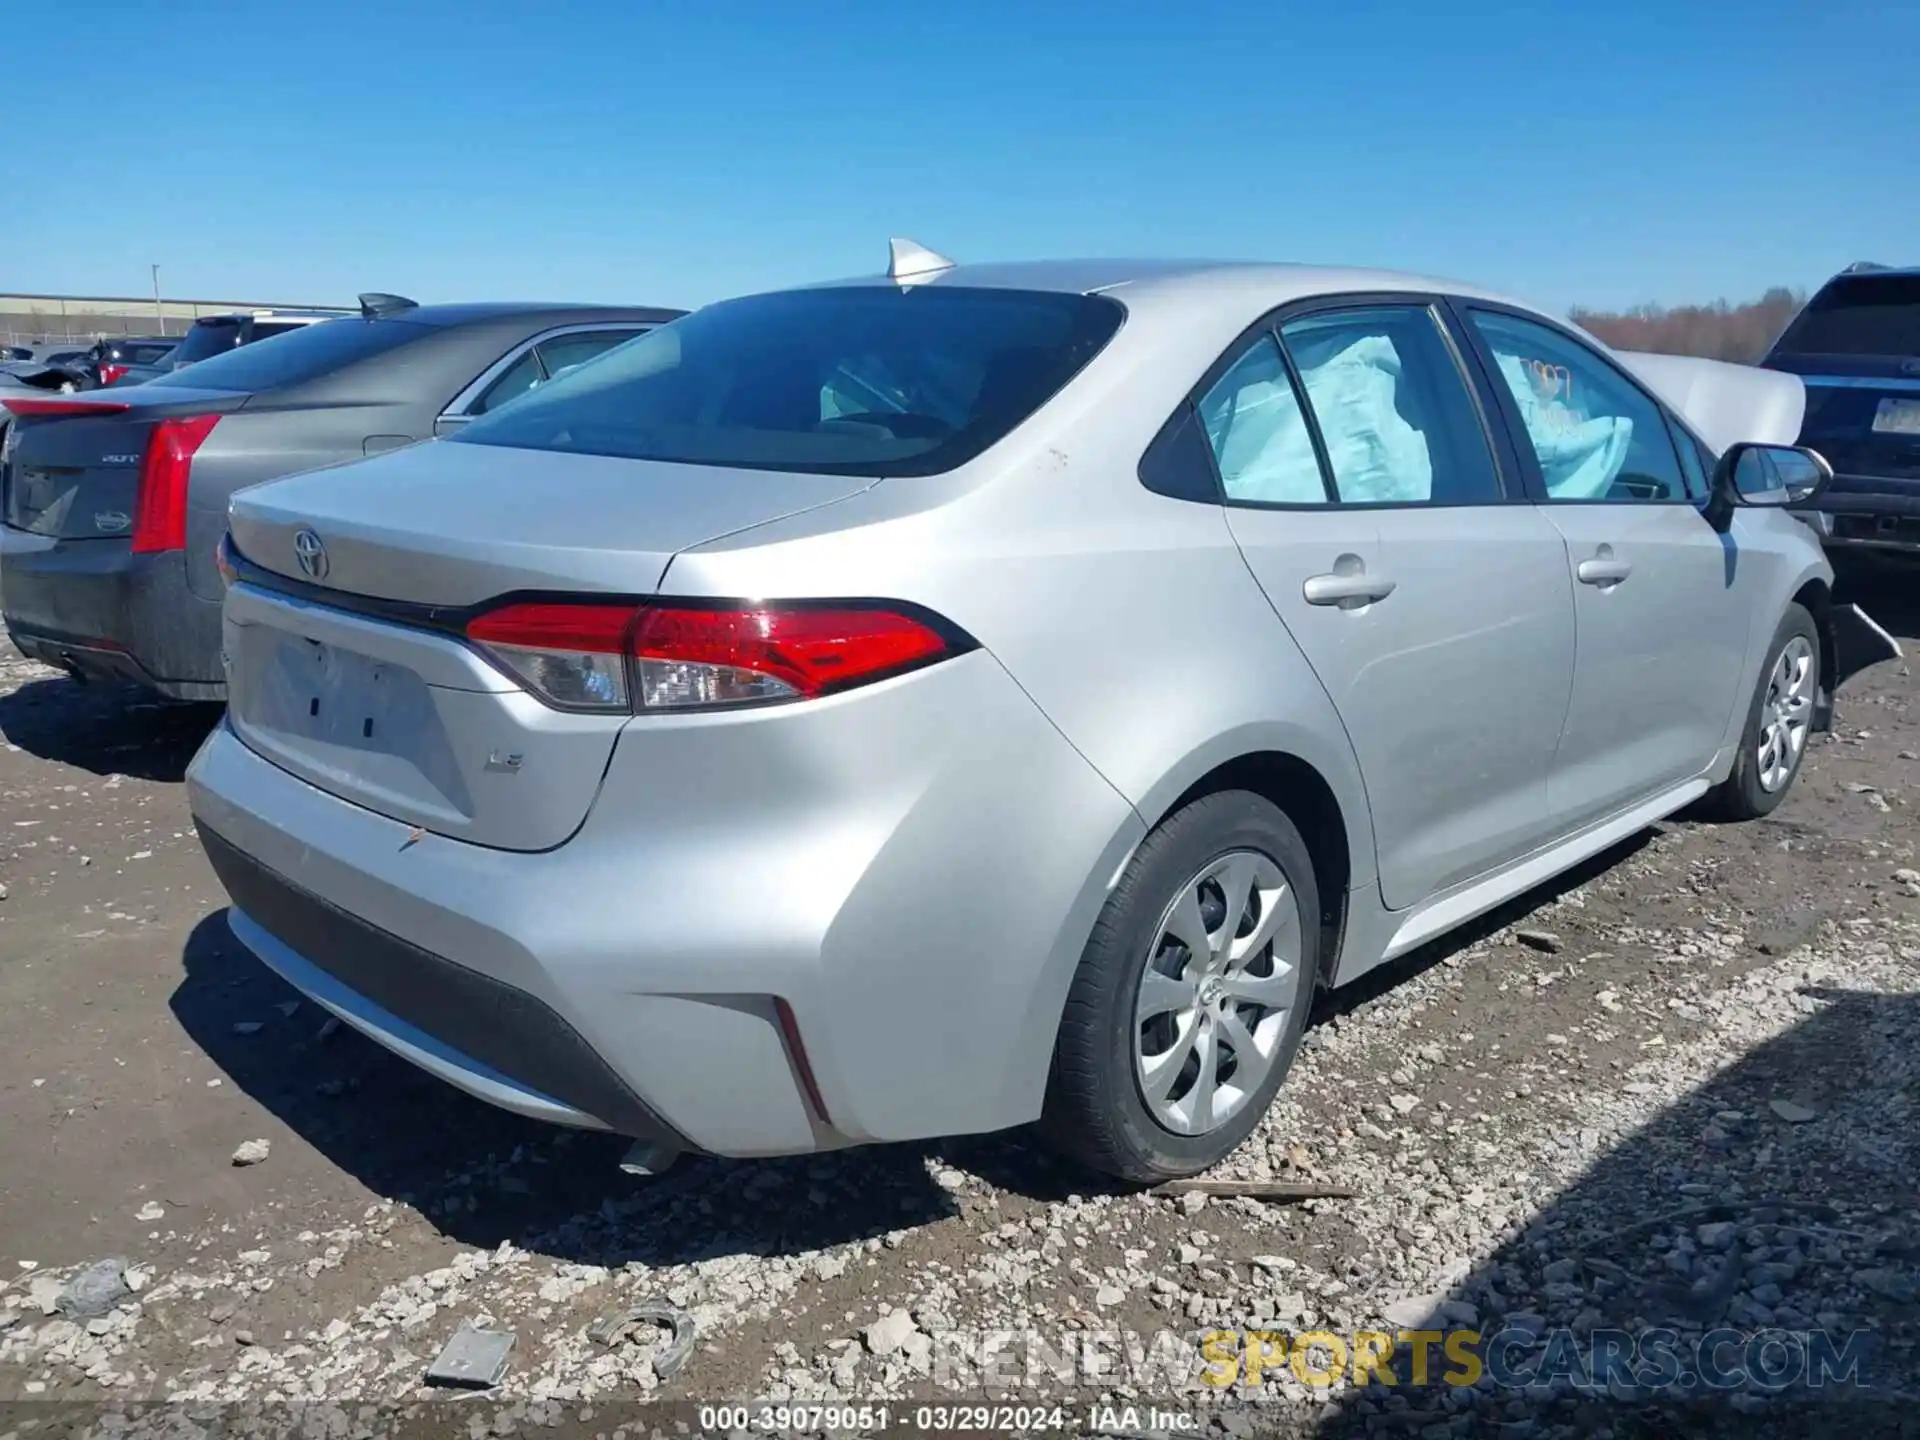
675	151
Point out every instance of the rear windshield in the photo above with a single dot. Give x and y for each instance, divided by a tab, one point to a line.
1858	315
301	354
858	380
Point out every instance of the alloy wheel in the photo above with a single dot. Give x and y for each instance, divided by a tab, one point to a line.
1221	978
1786	714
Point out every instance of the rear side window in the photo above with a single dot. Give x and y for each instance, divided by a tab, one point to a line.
304	353
207	337
856	380
563	352
1258	433
1858	315
1395	415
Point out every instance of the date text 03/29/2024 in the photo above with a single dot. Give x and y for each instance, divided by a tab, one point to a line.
942	1419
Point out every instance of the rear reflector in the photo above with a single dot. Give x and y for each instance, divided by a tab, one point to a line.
680	656
54	406
110	372
160	507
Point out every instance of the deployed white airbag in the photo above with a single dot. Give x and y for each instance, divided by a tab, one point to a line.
1579	458
1376	455
1266	453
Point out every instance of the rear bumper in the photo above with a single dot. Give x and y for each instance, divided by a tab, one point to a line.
910	876
463	1026
1870	512
100	612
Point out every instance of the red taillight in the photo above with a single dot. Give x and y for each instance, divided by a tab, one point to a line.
723	657
160	508
678	656
109	372
52	406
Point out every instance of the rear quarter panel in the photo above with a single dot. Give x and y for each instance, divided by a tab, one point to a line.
268	440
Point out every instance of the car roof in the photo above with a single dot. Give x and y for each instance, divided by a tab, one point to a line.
546	312
1237	283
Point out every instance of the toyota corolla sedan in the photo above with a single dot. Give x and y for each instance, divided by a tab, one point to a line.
977	694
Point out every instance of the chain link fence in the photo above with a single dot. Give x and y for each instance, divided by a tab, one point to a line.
39	320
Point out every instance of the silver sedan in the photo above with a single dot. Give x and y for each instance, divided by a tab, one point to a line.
978	694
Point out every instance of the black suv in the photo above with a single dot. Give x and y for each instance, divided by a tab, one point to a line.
1856	346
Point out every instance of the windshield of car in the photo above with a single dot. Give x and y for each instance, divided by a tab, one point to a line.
301	354
852	380
1858	315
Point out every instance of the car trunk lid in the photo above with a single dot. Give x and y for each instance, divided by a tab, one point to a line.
451	524
351	671
71	465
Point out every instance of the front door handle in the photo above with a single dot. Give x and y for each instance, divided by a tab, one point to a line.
1603	571
1347	591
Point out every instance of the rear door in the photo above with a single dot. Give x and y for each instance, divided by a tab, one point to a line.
1430	598
1856	346
1662	602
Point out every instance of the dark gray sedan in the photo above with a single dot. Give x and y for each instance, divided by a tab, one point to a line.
113	502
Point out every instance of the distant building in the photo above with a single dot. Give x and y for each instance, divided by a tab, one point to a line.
27	319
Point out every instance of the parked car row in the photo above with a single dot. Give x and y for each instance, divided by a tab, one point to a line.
114	503
927	703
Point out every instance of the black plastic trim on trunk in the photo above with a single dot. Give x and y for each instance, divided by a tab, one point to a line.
497	1024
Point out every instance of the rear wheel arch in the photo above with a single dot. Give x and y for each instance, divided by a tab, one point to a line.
1303	793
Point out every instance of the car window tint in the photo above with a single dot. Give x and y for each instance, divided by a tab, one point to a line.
1394	411
267	329
1596	434
874	380
1258	432
563	352
516	380
1696	466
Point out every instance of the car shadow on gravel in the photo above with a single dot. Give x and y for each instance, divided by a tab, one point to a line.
106	729
482	1175
1765	1220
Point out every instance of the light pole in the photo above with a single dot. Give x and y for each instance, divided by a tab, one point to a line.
158	313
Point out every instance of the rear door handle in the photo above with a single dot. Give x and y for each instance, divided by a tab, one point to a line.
1349	591
1603	572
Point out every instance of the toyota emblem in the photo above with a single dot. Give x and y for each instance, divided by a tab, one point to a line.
311	552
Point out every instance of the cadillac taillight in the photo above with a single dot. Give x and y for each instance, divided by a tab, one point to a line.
160	506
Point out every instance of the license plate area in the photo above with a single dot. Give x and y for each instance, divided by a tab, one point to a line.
1896	416
328	695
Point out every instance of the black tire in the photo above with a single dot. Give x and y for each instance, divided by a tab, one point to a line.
1742	796
1095	1112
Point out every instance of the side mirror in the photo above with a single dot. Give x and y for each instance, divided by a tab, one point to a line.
1774	476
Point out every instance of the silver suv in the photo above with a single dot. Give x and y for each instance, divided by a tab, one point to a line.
974	695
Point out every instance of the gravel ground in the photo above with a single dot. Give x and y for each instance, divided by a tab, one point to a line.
1675	1089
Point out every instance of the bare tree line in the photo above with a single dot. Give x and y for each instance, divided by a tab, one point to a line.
1719	331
